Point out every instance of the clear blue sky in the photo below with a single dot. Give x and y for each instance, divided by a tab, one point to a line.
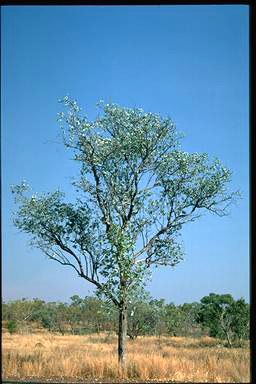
188	62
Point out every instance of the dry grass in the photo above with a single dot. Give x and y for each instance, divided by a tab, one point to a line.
148	358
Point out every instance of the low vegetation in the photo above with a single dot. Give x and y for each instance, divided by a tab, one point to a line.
45	355
216	315
198	342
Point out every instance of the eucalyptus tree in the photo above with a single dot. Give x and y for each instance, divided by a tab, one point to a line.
136	190
225	317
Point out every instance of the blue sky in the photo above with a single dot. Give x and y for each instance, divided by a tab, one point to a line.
188	62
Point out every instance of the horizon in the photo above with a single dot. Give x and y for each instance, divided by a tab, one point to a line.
68	302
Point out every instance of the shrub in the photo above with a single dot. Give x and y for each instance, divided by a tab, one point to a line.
12	326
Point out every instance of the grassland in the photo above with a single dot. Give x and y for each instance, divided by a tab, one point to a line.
45	355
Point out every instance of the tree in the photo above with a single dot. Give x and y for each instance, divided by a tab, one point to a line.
215	315
142	314
81	310
174	319
94	305
23	311
159	313
240	320
12	326
138	190
190	312
5	311
48	318
75	314
224	317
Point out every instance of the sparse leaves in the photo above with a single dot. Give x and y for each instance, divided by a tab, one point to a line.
139	189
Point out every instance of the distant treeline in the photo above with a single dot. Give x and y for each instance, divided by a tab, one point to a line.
215	315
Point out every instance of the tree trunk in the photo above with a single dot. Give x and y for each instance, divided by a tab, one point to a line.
122	333
228	338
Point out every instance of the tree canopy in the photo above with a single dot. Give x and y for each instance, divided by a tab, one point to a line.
225	317
138	190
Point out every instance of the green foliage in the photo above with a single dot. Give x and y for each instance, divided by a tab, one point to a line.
142	314
5	311
146	316
189	314
241	320
224	317
12	326
22	310
139	189
175	320
47	321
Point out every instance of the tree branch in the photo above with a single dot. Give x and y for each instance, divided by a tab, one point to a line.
101	205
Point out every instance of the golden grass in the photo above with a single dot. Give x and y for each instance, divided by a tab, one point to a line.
47	356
